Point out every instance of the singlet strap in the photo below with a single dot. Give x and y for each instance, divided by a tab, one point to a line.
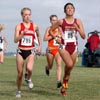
31	26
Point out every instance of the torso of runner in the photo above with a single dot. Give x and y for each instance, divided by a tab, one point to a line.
27	41
69	36
69	32
52	43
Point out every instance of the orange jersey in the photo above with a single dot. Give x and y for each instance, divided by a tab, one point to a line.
52	43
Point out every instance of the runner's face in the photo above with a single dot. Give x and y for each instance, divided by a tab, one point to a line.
54	20
69	10
26	16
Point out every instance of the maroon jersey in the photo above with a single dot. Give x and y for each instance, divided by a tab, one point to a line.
69	32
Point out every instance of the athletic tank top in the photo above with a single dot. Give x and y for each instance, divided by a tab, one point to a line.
52	43
1	42
69	32
27	40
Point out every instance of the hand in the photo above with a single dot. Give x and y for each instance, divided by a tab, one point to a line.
25	30
38	50
50	33
53	35
58	40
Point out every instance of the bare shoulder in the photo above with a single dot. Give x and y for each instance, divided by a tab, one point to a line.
48	28
60	21
78	21
36	27
18	26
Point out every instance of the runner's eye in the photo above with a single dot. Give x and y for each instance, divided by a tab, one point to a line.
27	15
54	20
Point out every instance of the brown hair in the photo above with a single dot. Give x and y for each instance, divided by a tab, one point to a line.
67	5
52	17
24	10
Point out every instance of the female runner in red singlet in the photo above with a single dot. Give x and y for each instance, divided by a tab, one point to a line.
24	36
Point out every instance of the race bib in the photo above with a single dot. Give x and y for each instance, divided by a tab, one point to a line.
69	36
26	41
55	43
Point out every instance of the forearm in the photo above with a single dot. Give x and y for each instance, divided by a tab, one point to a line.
82	34
40	42
16	39
80	29
48	38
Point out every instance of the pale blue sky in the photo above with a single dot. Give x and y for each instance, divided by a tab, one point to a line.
86	10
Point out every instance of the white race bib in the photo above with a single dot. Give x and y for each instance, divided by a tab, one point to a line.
69	36
26	41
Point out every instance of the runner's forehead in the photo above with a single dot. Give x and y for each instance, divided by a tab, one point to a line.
26	12
54	19
69	6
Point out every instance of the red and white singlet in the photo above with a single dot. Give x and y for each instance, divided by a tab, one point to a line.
27	40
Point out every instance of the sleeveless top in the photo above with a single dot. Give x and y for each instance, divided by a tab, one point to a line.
52	43
69	32
27	40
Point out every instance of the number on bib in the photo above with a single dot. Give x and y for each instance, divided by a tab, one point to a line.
26	41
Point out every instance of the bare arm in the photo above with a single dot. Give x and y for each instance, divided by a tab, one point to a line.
17	36
47	35
55	26
38	37
5	43
80	28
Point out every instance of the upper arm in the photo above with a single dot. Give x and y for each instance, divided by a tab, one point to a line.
46	34
36	29
17	29
80	24
81	28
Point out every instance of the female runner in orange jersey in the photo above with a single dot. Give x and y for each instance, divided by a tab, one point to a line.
52	49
